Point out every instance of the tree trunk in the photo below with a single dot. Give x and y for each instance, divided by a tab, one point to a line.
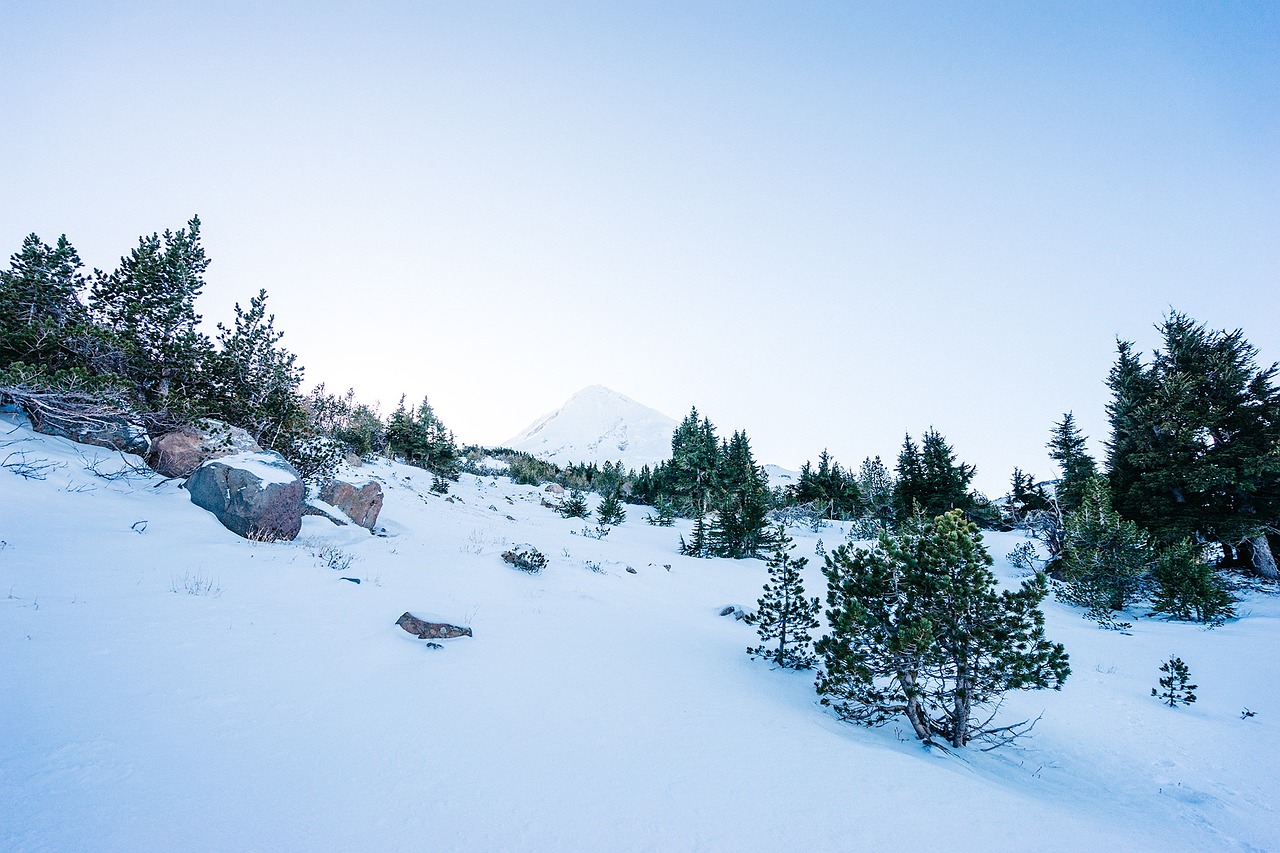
1263	561
915	712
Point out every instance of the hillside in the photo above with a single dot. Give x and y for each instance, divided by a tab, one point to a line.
599	425
170	686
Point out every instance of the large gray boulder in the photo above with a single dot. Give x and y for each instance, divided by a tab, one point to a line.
360	504
257	495
178	453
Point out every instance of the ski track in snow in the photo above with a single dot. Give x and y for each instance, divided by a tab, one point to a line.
592	710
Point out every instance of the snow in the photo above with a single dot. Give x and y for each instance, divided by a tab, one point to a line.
599	425
269	468
282	709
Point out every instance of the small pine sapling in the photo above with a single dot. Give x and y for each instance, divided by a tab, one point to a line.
1174	689
574	506
785	616
663	515
611	511
1188	589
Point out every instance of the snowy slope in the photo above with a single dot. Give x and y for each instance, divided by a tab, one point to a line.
599	425
280	708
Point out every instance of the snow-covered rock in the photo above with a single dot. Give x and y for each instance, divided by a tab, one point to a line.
255	495
599	425
179	453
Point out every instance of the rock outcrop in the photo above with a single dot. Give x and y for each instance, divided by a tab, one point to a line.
361	504
257	495
179	453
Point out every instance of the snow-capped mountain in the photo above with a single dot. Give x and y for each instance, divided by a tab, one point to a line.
599	425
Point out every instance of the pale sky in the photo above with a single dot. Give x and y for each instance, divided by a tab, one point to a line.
827	224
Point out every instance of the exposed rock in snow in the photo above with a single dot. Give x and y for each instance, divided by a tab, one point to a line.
254	495
361	504
178	453
599	425
430	630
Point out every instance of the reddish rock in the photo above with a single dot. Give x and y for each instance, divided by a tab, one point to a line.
431	630
361	505
179	453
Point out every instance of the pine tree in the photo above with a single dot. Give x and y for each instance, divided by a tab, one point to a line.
876	489
739	526
1067	448
610	510
574	505
1174	689
1106	560
148	305
1187	588
909	491
255	381
40	310
784	614
663	515
919	629
1195	445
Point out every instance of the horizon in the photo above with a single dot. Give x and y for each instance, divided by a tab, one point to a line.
826	225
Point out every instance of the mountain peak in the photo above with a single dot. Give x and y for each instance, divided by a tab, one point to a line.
598	424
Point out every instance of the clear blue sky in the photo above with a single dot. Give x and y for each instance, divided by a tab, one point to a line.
828	224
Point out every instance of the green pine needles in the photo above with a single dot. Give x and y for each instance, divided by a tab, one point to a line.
1175	688
919	630
785	617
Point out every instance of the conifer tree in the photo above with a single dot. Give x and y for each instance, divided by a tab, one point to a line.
739	526
784	615
1106	560
876	488
1067	448
1187	588
1174	687
1195	444
574	505
148	305
40	308
255	381
610	510
918	629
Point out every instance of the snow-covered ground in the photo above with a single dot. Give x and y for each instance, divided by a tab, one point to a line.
169	686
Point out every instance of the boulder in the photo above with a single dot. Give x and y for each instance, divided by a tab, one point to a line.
360	504
555	489
254	495
352	460
114	432
431	630
178	453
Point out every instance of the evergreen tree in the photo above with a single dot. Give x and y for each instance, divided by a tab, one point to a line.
784	614
574	506
699	544
1067	448
40	310
1025	497
688	477
1106	560
1187	588
148	305
255	381
739	526
418	437
663	515
876	488
1174	689
918	629
1195	445
830	489
610	510
909	495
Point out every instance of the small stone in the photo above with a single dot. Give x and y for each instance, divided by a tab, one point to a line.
353	580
